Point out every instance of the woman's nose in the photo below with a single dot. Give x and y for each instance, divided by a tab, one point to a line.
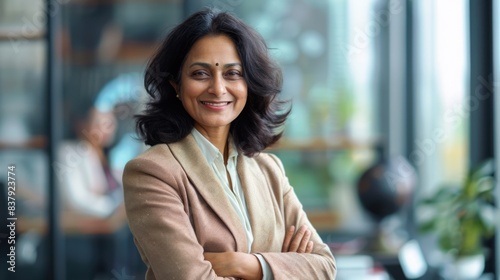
218	86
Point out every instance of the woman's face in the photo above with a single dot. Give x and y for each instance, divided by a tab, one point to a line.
100	128
213	90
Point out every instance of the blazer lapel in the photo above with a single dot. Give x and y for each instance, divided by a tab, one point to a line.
258	198
204	180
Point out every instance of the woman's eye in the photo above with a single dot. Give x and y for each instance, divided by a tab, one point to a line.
199	74
233	74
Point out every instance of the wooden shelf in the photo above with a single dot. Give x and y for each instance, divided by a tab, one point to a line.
319	144
36	142
324	220
16	34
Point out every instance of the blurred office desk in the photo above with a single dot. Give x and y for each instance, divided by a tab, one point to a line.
360	267
354	258
366	267
365	253
487	276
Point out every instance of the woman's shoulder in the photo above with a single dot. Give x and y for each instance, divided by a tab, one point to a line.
268	161
158	156
154	152
157	163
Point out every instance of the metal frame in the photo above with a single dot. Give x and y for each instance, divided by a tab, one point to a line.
496	71
56	265
482	130
397	81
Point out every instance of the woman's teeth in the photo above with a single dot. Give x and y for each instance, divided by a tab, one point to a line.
217	104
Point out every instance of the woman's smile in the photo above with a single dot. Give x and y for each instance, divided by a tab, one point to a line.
217	105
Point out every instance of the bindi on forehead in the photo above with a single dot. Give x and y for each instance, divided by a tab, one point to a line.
217	64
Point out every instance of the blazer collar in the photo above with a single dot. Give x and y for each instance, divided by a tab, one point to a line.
205	181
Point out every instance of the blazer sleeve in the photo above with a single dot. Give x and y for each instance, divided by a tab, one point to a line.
160	224
320	263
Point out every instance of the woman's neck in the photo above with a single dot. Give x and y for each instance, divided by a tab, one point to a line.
218	137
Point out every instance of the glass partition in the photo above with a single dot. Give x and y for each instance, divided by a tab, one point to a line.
23	133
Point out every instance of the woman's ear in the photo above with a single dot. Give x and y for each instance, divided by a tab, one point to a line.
175	86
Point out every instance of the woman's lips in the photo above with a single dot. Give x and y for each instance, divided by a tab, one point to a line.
215	104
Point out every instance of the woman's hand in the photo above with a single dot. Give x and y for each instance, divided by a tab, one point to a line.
235	264
297	242
247	266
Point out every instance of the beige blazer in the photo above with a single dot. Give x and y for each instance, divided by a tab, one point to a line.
177	210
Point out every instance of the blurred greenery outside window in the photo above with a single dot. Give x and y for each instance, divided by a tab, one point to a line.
443	101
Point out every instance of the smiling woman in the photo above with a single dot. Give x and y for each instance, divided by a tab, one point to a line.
205	201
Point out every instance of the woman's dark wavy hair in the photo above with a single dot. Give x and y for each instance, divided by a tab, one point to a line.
259	124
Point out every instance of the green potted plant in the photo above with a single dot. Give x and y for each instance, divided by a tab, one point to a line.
461	217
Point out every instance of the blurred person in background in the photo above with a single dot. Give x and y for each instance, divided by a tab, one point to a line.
92	199
90	170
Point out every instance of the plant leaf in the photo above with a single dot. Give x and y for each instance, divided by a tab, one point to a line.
428	226
487	168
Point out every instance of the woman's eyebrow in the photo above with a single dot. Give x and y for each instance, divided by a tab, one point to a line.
208	65
232	64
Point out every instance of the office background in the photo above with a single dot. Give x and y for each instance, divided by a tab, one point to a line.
407	82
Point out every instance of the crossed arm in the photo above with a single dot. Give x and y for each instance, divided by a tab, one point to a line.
247	266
